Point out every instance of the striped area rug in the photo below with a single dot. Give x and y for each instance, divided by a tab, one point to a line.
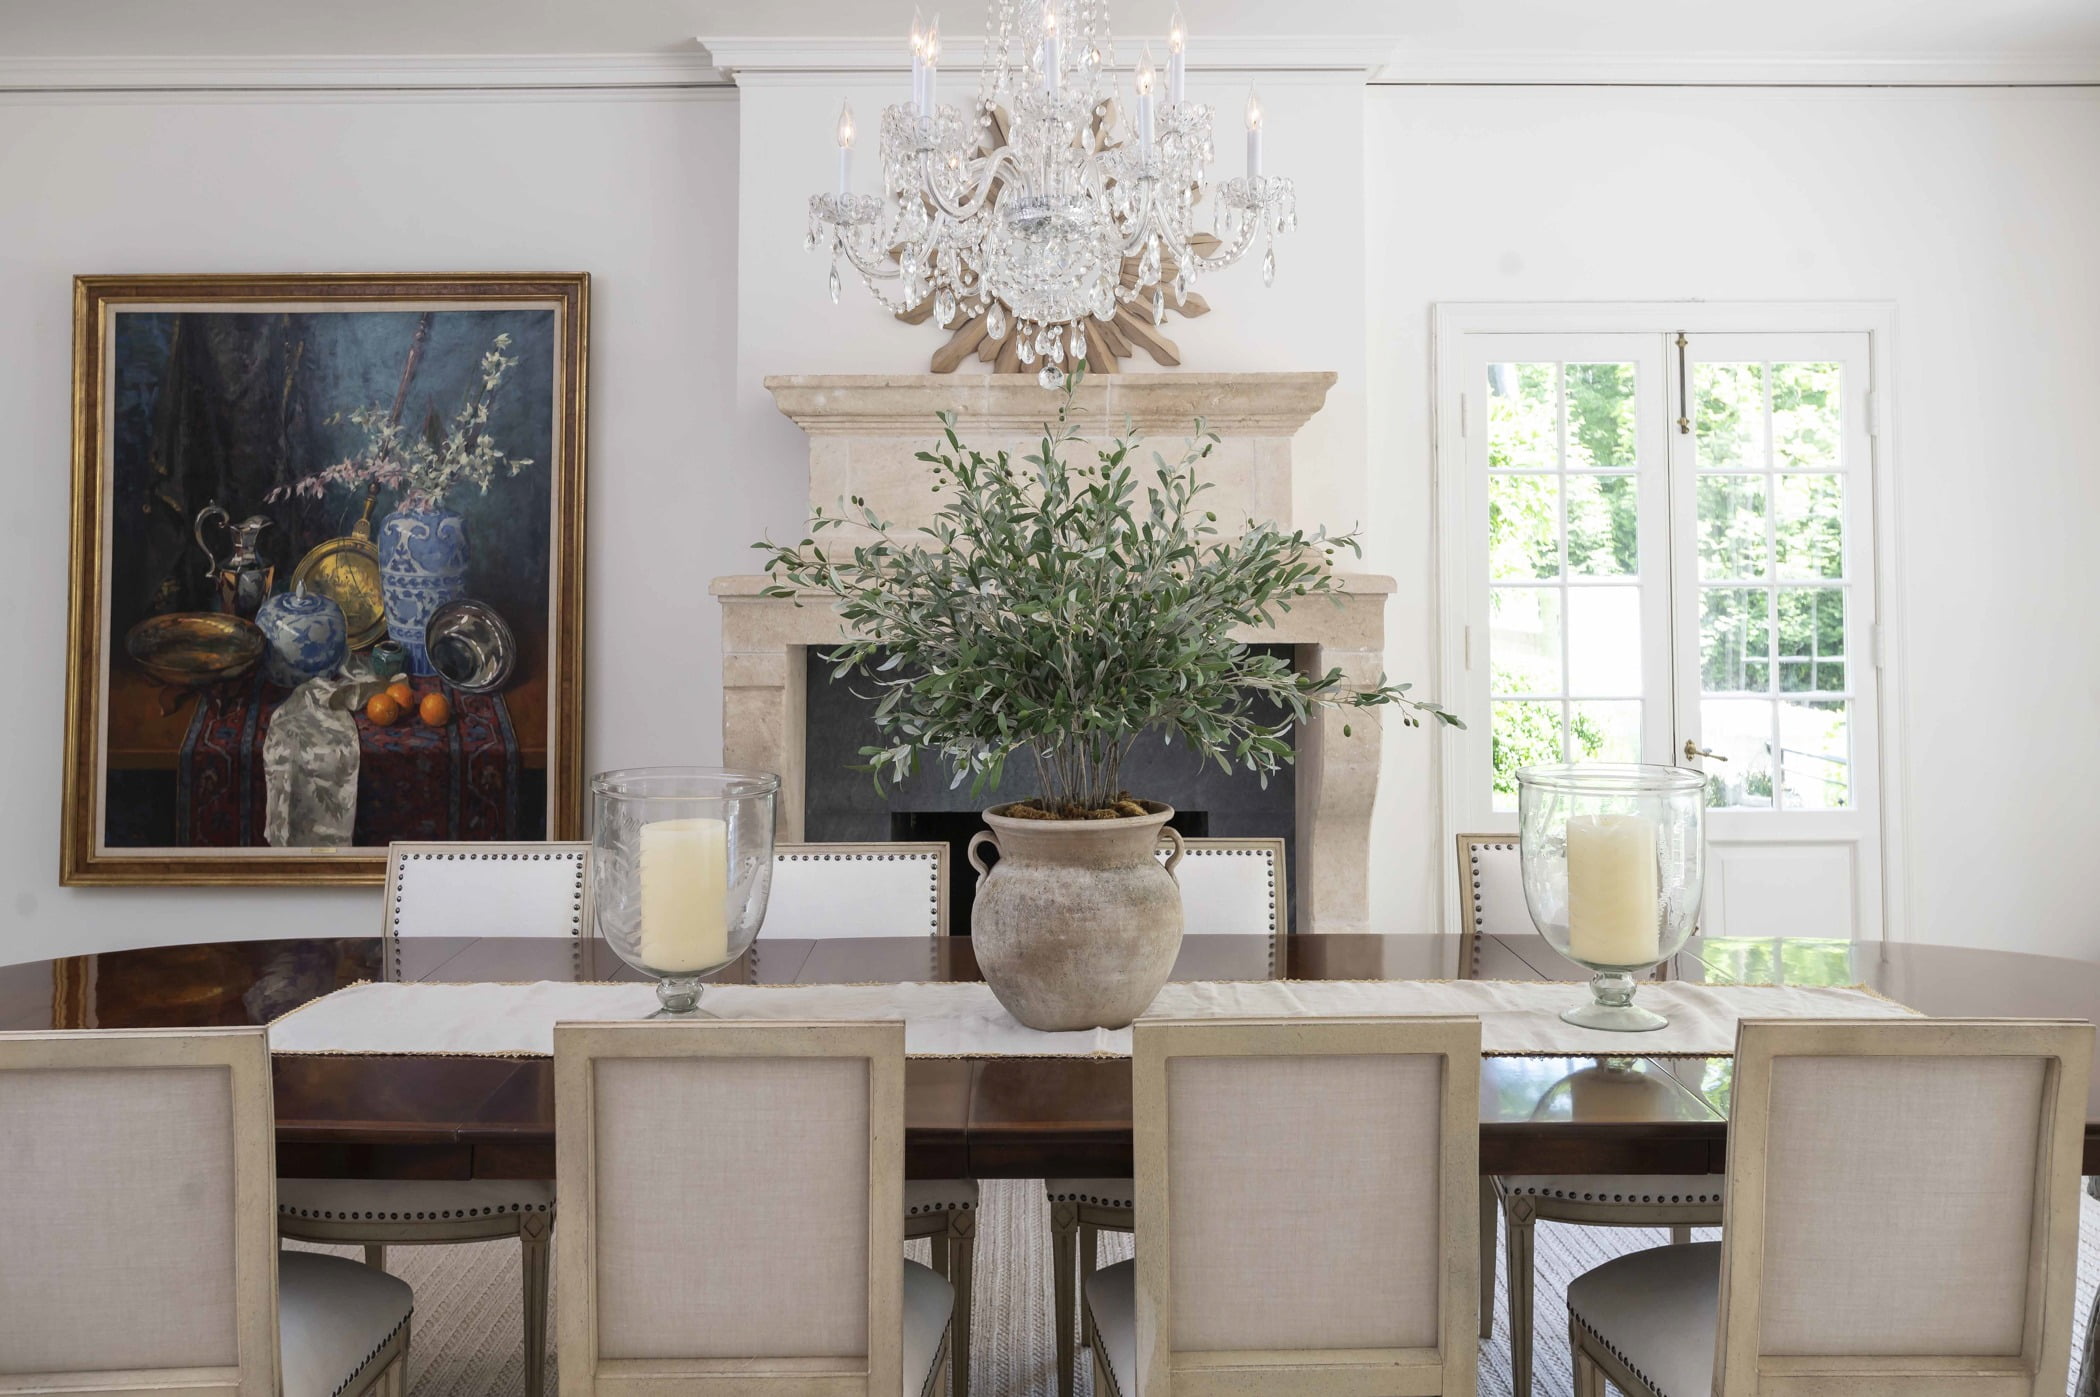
467	1338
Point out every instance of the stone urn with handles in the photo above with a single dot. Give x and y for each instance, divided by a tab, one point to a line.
1078	923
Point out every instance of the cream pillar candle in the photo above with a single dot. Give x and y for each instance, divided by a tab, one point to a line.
685	895
1614	905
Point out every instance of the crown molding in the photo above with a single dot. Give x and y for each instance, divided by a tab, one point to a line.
1541	68
360	73
757	54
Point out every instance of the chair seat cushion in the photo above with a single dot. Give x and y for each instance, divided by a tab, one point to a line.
929	1303
1102	1193
334	1316
1630	1189
1111	1306
409	1200
939	1196
1655	1311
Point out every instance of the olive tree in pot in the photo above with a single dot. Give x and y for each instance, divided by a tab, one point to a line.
1057	607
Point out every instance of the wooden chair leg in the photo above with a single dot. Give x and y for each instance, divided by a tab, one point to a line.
534	1233
1089	1258
1681	1234
1518	1219
937	1255
1589	1378
1064	1276
962	1248
1490	1209
375	1255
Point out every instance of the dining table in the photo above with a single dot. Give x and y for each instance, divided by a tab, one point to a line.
417	1116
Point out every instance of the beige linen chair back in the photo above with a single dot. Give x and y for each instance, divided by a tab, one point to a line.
1902	1207
732	1204
1236	887
1306	1206
822	891
98	1131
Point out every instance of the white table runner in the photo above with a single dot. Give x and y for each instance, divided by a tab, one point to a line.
962	1019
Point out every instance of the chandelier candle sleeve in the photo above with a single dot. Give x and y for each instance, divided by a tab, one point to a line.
1253	134
1050	60
685	895
1614	902
1177	61
845	149
1144	102
929	83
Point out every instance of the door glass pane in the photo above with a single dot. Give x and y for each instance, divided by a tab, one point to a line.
1602	731
1604	642
1811	639
1735	641
1601	405
1524	416
1808	525
1741	731
1729	410
1526	734
1815	757
1805	420
1524	641
1603	525
1731	527
1523	527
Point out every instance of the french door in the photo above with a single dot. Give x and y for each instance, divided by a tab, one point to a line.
1659	547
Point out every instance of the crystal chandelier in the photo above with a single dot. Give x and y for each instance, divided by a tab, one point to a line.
1023	207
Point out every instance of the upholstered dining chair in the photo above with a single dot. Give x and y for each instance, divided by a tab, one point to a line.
735	1191
1228	887
98	1130
827	891
1263	1266
1491	893
458	890
1902	1218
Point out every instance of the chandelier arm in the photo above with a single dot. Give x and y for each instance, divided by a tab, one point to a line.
974	204
1228	253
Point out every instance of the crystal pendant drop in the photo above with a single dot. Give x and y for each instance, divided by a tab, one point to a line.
995	322
1159	306
1078	342
944	308
1049	377
1026	342
834	283
1148	264
1052	344
1268	267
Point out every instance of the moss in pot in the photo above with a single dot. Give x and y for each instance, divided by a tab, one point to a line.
1057	607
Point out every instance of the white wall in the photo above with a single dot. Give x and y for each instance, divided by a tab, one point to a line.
639	190
1976	213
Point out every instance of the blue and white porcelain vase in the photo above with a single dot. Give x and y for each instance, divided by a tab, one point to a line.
422	565
306	635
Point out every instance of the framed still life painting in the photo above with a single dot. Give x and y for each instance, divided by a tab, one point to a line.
327	580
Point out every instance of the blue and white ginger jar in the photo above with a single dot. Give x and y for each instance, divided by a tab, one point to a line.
306	635
422	565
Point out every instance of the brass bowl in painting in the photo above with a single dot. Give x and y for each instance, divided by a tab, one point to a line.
192	648
470	646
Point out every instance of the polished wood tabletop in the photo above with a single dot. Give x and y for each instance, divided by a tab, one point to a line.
430	1117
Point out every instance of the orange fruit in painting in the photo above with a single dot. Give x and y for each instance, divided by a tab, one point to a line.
436	710
382	709
402	693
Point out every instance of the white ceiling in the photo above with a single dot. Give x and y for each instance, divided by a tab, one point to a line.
1972	31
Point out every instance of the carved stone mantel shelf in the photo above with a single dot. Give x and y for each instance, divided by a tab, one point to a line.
864	431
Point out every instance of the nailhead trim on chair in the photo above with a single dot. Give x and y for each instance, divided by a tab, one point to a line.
931	1208
1099	1200
441	1215
355	1373
933	875
1585	1196
1615	1351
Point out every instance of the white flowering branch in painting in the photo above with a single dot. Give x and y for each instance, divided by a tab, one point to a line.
425	468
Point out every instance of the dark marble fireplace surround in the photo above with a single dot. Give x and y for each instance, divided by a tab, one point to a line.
842	804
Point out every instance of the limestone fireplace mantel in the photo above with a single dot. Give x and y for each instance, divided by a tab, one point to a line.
864	432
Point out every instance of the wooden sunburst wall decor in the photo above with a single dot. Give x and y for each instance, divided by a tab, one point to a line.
1132	328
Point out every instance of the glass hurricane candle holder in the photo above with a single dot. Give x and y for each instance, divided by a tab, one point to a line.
681	867
1614	864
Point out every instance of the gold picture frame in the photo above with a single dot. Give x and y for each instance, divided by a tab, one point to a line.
103	684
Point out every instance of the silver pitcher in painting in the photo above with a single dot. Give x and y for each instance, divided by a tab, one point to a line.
240	583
